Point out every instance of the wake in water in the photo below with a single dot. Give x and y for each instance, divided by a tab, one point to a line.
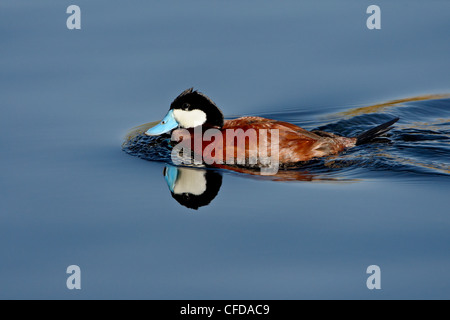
418	146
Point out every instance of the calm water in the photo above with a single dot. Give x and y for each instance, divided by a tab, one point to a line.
70	195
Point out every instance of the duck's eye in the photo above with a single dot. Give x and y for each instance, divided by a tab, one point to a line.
185	106
164	122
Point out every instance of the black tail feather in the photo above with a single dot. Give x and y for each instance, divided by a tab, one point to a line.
373	133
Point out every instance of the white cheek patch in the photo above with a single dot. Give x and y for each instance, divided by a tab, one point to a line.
189	119
190	181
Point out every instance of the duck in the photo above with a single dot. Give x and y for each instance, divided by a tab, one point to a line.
192	110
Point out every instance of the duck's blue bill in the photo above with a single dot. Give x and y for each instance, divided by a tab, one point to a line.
167	124
171	174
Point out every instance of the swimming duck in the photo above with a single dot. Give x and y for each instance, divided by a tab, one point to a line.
192	109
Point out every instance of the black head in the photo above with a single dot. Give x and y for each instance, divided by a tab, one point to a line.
192	108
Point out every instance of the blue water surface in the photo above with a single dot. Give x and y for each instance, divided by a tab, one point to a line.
71	196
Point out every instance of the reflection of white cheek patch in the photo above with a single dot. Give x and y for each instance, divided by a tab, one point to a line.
190	119
190	181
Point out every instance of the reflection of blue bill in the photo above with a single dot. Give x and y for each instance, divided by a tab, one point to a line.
171	174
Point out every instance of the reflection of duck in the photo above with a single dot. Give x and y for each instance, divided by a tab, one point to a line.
197	187
192	109
192	188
